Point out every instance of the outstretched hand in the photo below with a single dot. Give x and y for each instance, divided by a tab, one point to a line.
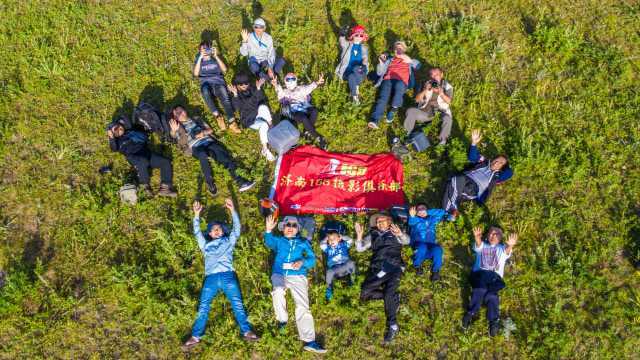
512	240
232	89
270	223
412	211
320	79
395	229
110	133
228	203
259	83
476	136
359	230
245	35
173	125
197	208
477	232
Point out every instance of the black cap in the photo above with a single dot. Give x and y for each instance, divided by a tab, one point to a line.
240	79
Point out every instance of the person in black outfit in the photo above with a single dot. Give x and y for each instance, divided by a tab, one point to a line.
385	270
134	146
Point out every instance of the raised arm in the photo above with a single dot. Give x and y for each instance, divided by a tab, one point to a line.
362	244
235	220
244	47
221	64
270	240
197	209
474	153
477	235
198	64
511	242
402	237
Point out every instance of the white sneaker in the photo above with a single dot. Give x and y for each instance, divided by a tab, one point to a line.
267	154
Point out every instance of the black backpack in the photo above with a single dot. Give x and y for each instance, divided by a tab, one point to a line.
147	117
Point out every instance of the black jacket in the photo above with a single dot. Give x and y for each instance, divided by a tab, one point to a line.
131	143
387	248
247	104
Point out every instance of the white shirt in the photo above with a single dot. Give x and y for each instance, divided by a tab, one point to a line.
490	258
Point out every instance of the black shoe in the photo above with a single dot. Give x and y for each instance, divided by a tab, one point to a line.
494	328
435	276
322	142
246	185
466	320
419	271
282	328
391	333
212	189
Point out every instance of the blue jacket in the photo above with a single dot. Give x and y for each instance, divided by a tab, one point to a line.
336	255
289	251
218	253
423	230
478	161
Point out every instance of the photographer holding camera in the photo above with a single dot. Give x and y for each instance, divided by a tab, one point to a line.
209	69
436	95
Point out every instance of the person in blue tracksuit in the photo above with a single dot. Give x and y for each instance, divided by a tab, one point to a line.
422	230
339	264
478	182
293	258
217	245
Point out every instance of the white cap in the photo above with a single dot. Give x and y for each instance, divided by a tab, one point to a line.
259	22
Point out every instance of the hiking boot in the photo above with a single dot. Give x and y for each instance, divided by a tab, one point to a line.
250	336
435	276
328	294
212	189
494	328
322	143
233	127
193	341
373	125
314	347
282	328
267	154
466	320
221	124
390	334
246	185
419	271
146	189
167	190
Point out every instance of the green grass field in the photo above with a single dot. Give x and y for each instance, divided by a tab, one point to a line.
554	84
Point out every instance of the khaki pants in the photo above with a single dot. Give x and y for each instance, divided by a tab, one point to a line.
415	115
299	286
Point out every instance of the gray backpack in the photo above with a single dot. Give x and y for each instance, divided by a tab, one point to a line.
283	136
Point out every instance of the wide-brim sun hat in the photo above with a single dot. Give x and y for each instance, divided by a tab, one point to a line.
373	220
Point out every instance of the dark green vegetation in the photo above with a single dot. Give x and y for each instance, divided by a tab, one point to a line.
553	84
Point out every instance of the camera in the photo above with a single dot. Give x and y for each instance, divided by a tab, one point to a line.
208	51
434	84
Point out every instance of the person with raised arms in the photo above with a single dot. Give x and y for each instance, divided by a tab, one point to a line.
217	245
487	275
258	47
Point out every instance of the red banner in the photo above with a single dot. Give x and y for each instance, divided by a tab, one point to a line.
311	180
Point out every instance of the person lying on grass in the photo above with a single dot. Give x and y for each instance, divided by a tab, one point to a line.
258	47
194	137
477	182
339	264
295	101
134	146
422	230
385	239
487	274
354	59
217	245
293	258
209	69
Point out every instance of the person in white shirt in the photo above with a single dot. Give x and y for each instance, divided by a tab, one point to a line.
486	275
258	47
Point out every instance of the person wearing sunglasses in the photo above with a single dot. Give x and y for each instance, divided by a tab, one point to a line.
251	102
258	47
209	69
395	75
295	103
354	59
293	258
385	239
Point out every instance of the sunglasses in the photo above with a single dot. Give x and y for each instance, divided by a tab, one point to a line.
358	35
291	225
258	27
290	79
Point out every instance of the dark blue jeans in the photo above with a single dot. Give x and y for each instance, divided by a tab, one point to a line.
259	69
354	79
424	251
210	91
480	296
142	164
386	88
226	282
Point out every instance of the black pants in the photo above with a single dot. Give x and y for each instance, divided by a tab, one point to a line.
219	153
143	163
386	288
307	119
459	188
